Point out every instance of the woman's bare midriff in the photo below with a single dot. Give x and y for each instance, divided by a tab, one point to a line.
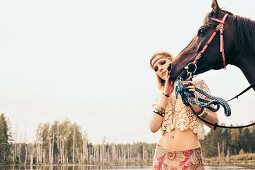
178	140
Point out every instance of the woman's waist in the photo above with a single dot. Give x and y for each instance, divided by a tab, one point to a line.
178	140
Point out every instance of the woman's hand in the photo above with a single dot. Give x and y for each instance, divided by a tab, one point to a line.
169	86
190	85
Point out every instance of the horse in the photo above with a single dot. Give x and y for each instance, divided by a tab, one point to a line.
223	39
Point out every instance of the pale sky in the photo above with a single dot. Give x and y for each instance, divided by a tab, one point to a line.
88	61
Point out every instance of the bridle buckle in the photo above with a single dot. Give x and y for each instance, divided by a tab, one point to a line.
191	68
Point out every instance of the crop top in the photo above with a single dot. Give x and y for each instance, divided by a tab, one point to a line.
178	115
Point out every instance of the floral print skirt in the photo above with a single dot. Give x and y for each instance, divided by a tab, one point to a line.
177	160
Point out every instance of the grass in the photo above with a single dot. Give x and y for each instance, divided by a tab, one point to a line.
245	159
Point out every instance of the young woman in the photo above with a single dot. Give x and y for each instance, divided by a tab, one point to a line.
178	146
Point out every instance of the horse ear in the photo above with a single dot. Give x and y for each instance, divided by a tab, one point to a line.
215	7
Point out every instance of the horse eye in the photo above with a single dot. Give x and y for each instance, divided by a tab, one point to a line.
201	32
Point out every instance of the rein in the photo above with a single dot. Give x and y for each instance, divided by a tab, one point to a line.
189	98
192	98
245	90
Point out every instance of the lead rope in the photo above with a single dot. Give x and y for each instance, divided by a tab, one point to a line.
192	98
189	98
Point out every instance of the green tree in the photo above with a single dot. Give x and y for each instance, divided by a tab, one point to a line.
252	140
210	143
235	140
5	138
60	143
245	140
224	139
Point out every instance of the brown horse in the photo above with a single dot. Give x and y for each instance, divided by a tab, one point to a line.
223	39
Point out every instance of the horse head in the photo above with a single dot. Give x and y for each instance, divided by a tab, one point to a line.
205	50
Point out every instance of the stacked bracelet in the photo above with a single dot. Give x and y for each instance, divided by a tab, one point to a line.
166	94
159	110
200	112
203	115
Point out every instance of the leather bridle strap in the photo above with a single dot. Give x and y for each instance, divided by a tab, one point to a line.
220	28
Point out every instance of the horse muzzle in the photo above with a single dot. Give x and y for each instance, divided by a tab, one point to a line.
183	74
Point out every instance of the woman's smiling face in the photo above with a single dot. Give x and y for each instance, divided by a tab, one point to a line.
160	65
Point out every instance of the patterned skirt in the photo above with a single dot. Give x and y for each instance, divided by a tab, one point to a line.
177	160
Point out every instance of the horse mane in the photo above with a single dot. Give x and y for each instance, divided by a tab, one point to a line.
245	28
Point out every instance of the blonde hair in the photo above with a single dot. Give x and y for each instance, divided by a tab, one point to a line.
161	82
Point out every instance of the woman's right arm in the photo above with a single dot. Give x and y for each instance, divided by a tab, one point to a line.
156	120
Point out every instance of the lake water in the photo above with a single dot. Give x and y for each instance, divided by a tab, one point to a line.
110	168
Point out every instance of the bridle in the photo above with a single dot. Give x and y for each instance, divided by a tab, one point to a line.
220	28
192	67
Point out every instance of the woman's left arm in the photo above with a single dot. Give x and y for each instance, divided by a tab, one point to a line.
206	114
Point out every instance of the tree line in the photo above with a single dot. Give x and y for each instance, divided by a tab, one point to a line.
65	143
228	142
